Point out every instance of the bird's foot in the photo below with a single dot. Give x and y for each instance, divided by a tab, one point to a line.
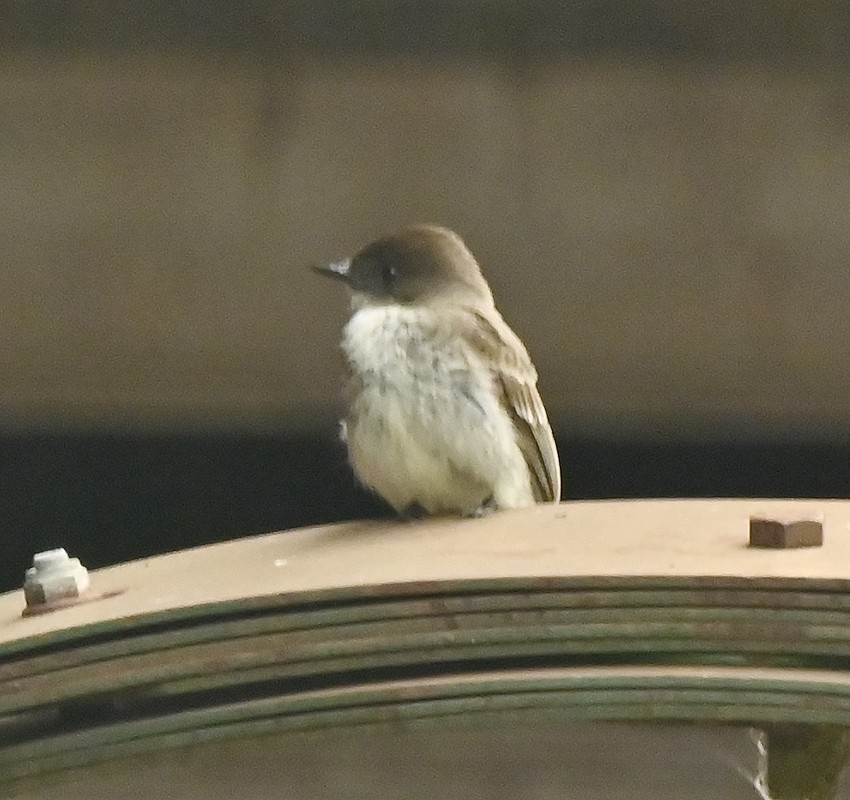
413	512
484	510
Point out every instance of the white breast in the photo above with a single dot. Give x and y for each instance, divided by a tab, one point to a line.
425	425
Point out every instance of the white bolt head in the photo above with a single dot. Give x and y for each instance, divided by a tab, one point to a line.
54	576
49	559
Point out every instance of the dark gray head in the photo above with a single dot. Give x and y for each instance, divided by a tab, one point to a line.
417	265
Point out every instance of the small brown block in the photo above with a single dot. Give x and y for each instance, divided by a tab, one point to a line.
785	534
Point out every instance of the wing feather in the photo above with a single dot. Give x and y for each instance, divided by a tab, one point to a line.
516	376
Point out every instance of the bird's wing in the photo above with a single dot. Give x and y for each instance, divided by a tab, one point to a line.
515	375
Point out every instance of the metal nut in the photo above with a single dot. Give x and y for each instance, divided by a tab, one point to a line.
785	534
54	577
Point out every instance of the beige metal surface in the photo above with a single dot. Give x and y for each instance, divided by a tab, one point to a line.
581	540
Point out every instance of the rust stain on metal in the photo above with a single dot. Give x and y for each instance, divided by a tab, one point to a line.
87	596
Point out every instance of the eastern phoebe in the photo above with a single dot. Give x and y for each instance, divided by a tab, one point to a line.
444	415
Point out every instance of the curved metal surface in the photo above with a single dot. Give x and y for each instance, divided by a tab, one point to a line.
664	542
645	610
729	695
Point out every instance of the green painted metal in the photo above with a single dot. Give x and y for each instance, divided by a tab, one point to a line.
731	695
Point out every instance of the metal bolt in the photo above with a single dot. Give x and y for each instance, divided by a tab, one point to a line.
53	578
786	534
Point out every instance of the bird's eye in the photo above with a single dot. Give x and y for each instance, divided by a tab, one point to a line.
388	275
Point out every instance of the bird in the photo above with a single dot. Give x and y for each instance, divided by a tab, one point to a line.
444	416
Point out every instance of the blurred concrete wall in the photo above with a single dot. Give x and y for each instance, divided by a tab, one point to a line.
659	195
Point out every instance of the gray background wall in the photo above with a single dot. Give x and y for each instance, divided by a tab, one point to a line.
659	193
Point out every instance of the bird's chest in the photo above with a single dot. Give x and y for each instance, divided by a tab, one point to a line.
409	369
422	412
402	348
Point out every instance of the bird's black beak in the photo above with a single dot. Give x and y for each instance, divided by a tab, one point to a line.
341	270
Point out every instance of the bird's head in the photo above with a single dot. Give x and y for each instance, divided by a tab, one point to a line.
416	266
